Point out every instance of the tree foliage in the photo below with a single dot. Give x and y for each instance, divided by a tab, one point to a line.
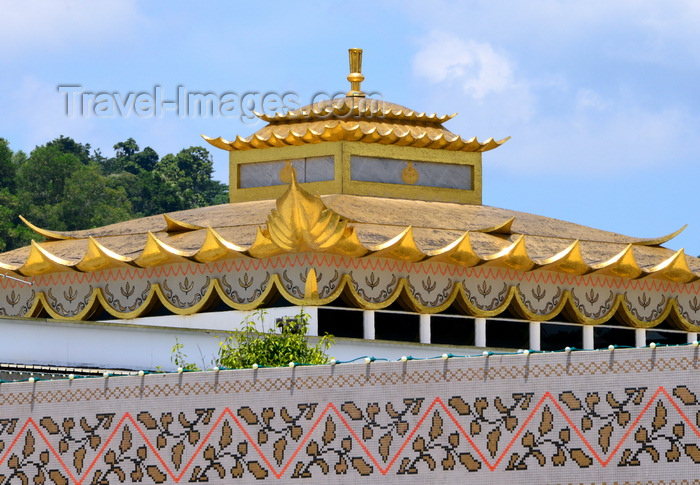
274	347
65	185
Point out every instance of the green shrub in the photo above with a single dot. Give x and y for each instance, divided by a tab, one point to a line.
277	346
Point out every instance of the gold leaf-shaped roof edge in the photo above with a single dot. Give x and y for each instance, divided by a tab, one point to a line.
98	257
502	228
173	225
216	247
673	269
40	261
402	247
568	261
659	240
622	265
458	252
514	256
50	235
156	252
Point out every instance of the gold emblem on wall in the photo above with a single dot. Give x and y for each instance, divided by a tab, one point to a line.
409	175
286	172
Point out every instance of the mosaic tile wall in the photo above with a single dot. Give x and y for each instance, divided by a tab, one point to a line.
623	416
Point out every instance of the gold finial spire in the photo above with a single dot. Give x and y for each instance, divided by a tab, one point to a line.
355	77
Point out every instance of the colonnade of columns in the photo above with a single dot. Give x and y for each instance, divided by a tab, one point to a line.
480	332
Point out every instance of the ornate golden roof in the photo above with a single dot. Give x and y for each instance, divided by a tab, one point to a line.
313	249
355	226
346	119
355	118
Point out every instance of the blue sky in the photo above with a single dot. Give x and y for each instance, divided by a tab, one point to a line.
600	97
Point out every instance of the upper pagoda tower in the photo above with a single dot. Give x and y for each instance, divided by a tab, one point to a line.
356	145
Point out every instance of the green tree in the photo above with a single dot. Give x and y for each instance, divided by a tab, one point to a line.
7	166
65	144
43	175
189	172
88	200
62	186
13	233
274	347
128	158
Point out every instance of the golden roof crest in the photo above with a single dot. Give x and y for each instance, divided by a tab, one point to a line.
303	223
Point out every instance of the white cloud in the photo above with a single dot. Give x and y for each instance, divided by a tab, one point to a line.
476	66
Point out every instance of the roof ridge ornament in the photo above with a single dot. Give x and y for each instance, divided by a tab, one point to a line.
355	77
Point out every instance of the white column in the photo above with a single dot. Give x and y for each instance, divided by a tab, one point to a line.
588	337
368	324
480	332
692	337
640	337
424	328
535	336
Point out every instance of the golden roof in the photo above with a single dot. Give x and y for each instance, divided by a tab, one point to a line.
347	119
355	118
355	226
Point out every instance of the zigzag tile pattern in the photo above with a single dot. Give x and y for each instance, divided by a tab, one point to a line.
438	421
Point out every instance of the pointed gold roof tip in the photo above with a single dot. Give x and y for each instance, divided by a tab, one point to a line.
40	261
460	252
402	247
673	269
659	240
97	257
173	225
157	253
514	256
502	228
355	77
216	247
622	265
49	235
568	261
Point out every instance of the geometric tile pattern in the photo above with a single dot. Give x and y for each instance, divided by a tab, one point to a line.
641	426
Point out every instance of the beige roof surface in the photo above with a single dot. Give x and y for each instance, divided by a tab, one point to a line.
435	226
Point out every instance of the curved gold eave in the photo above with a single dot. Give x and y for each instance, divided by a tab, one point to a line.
402	247
49	235
502	228
673	269
659	240
360	133
368	108
173	225
97	257
514	257
13	268
157	253
459	253
623	265
40	261
569	261
215	248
